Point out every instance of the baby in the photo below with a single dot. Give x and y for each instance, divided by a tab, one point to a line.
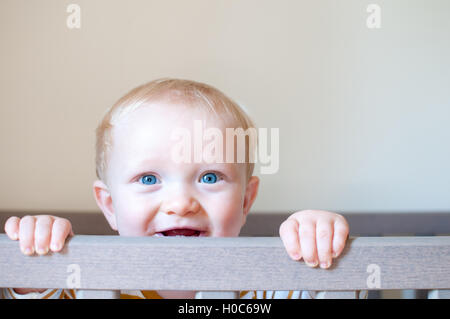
144	189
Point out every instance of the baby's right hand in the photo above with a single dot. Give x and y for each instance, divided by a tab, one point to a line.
39	233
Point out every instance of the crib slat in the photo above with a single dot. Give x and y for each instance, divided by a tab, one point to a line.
444	294
351	294
217	295
98	294
408	294
439	294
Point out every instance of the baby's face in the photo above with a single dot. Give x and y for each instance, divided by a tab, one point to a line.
152	195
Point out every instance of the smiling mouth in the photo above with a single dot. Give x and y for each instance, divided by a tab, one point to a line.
181	232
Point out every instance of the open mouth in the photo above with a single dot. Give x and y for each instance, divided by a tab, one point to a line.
181	232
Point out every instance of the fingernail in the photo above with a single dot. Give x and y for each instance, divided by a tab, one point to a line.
55	247
42	251
311	264
28	251
15	236
324	265
296	256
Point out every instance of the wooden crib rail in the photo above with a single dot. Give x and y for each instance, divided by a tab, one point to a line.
226	264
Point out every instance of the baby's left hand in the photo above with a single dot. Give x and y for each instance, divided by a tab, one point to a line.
317	236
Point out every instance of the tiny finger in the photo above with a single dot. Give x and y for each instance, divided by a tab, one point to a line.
341	231
289	236
26	234
324	239
307	233
60	231
12	227
42	234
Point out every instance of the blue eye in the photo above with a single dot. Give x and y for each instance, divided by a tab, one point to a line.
209	178
148	179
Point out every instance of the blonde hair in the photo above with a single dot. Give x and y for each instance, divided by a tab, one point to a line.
196	94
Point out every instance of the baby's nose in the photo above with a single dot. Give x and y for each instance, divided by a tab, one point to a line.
181	206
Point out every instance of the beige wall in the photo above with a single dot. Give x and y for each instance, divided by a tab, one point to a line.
363	113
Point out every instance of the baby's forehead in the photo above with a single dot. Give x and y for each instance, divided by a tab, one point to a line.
172	115
158	127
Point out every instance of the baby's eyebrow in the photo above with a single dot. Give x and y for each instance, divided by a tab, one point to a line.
227	168
136	167
149	161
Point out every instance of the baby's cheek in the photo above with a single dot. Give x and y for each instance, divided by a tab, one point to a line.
229	223
127	227
133	222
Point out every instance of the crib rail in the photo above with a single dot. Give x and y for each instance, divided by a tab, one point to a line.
267	224
209	265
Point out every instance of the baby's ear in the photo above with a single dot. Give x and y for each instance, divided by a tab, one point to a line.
250	193
104	201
